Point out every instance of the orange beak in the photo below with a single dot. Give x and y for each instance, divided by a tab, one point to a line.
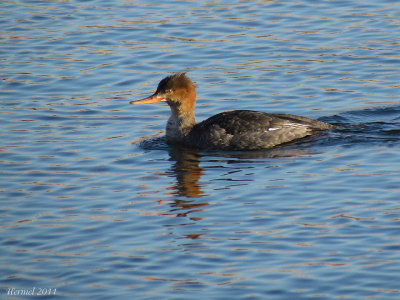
148	100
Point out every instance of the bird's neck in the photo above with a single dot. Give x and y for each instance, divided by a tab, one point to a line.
179	125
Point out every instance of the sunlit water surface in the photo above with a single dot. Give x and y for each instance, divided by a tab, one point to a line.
95	205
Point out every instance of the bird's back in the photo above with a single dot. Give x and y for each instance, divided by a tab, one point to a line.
250	130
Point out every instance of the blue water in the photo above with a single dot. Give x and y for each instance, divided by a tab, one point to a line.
95	205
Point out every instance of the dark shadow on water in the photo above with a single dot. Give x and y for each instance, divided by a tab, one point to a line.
370	126
157	143
284	151
186	165
379	126
373	126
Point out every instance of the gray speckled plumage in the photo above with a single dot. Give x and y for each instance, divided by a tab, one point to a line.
250	130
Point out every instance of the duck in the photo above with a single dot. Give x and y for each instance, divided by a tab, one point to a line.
228	130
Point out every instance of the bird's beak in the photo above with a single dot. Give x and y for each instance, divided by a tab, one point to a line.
148	100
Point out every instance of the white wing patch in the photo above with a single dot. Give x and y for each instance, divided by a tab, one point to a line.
287	125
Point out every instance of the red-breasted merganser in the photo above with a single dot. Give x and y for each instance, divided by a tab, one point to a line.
230	130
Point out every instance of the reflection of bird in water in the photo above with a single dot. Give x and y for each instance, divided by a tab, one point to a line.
230	130
187	171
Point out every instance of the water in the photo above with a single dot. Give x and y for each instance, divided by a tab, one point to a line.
94	204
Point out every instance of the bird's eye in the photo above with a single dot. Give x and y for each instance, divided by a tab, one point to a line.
170	91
